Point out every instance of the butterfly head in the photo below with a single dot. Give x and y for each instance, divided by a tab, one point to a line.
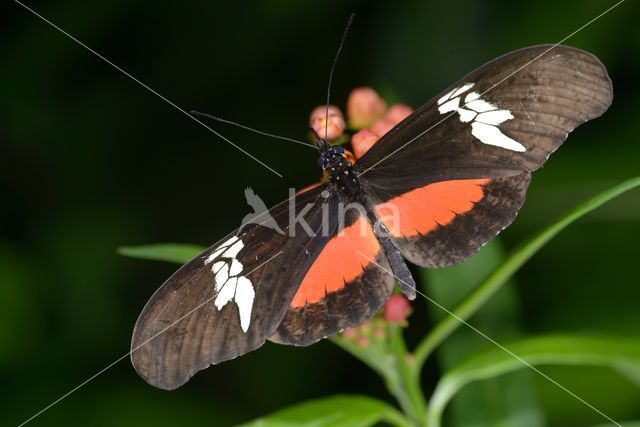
329	154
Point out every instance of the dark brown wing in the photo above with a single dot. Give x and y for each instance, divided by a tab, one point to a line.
346	285
502	119
231	298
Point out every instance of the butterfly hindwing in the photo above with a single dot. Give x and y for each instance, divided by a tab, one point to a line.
346	285
444	223
502	119
228	300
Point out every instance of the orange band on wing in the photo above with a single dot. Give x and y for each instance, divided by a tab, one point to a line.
421	210
341	261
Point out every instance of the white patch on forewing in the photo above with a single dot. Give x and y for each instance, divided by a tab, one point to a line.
221	276
221	249
234	249
229	285
244	299
485	117
455	92
236	267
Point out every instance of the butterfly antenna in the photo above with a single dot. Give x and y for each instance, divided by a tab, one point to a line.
320	143
229	122
333	66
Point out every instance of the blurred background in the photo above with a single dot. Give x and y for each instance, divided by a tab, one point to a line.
90	161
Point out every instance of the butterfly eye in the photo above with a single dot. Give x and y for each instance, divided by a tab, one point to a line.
337	150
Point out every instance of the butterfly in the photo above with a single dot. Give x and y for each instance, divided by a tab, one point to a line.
432	190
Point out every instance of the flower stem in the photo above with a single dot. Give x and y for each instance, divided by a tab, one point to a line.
394	368
409	383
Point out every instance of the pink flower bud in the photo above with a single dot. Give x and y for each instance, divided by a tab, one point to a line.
365	328
349	333
335	126
362	141
364	107
363	341
397	113
397	309
382	126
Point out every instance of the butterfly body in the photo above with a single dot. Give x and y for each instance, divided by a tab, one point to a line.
339	169
432	190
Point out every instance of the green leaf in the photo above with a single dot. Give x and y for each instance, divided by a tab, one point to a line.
498	277
507	400
615	353
334	411
171	252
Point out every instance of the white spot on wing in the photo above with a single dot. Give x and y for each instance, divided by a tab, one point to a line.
234	249
452	105
226	293
217	266
445	97
221	249
236	267
478	105
462	89
214	255
491	135
494	117
485	118
466	115
244	300
471	96
221	276
228	282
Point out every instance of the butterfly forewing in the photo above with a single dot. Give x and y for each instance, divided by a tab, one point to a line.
229	299
502	119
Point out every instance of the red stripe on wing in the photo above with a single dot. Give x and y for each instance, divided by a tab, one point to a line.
340	262
421	210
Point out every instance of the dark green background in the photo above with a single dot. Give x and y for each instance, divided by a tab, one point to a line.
89	160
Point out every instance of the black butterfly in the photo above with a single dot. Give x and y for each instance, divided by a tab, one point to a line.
453	174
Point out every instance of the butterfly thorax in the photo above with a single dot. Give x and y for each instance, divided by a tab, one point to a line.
339	169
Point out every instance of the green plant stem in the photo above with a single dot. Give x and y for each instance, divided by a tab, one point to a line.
395	372
410	384
396	418
505	270
381	366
